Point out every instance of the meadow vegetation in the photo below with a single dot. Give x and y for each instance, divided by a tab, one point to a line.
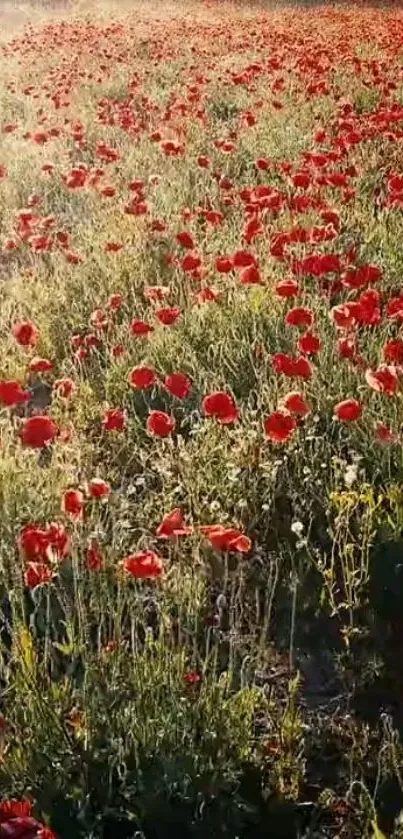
201	368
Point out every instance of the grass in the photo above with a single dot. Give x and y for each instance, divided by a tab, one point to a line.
164	169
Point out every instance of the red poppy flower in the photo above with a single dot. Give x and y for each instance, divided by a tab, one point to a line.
344	315
108	191
208	294
383	380
171	148
178	384
72	503
368	310
278	426
348	410
296	403
117	350
242	259
64	387
58	541
114	419
309	344
301	179
144	565
220	405
226	538
136	185
98	320
11	393
168	315
223	264
286	288
140	327
33	542
173	525
40	242
384	434
393	351
158	226
362	276
185	239
112	247
114	301
302	368
25	333
299	316
98	488
63	239
38	431
290	366
92	340
11	808
9	245
156	292
160	424
250	275
35	574
191	677
94	557
347	347
190	262
40	365
394	308
142	377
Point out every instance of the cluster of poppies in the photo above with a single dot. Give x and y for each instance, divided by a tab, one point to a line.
269	176
293	221
43	548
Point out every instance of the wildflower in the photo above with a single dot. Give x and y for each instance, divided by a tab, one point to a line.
35	574
279	426
93	557
64	387
160	424
114	419
143	565
220	405
40	365
72	503
25	333
226	538
12	393
191	677
173	525
295	403
98	488
140	327
38	431
178	384
142	377
168	315
348	410
383	380
384	434
299	316
309	344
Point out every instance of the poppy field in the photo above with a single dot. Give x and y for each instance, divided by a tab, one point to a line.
201	424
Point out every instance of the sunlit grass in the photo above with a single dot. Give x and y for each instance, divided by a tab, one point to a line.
199	696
